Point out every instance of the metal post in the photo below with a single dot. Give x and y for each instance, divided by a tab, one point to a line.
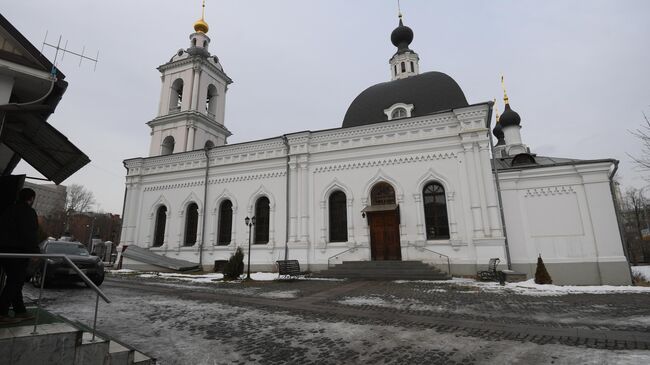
95	320
40	295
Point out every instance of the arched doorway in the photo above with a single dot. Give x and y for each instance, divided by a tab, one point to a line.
383	219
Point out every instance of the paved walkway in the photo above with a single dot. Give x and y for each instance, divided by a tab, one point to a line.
364	322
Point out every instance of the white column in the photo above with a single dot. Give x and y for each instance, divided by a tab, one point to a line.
190	138
349	213
293	202
451	216
323	229
481	189
304	211
473	191
490	192
419	210
195	88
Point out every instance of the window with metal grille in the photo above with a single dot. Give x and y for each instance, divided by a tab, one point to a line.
159	230
338	222
382	194
225	223
435	211
262	211
191	224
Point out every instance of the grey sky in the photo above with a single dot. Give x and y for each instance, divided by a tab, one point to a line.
576	71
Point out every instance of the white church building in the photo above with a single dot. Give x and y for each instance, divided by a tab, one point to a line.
409	175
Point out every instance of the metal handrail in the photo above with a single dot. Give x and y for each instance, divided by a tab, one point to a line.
439	254
73	266
338	254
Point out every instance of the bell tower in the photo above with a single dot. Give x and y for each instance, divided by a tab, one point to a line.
192	104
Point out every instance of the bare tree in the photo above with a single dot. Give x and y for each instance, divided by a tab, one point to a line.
78	199
634	214
643	134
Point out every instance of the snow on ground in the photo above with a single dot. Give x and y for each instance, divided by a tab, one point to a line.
643	271
281	294
530	288
204	278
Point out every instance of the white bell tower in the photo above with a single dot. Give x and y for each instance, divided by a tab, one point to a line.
192	100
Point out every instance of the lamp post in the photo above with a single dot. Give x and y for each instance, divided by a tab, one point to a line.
250	222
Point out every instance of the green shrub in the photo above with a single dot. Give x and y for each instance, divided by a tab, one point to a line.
541	275
235	266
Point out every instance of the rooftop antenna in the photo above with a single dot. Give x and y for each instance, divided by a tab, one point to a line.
63	50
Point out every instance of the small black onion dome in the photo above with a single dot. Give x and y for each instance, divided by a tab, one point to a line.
509	117
498	133
401	37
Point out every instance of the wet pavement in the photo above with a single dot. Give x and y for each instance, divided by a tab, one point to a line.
361	322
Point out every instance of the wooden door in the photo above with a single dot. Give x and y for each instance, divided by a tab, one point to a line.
384	235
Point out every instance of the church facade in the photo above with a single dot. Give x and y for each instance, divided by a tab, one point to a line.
408	176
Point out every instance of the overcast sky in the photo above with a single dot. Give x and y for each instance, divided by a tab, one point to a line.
576	71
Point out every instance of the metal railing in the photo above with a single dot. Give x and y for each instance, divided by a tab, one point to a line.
65	258
339	254
440	255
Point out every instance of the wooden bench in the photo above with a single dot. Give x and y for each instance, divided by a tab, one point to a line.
288	268
491	274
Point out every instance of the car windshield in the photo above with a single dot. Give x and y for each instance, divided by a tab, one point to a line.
67	248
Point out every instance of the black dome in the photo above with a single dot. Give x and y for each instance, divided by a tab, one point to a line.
498	133
401	37
509	117
428	92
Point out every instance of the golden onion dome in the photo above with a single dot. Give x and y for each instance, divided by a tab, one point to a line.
201	26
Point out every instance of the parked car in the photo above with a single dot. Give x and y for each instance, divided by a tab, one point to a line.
59	270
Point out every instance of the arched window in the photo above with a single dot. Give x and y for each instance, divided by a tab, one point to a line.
191	224
435	211
167	147
176	95
403	67
224	231
398	113
205	44
412	68
211	101
208	144
338	222
262	212
382	194
395	68
159	230
193	42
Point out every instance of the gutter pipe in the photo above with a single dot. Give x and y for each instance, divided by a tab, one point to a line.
617	212
498	186
205	205
287	223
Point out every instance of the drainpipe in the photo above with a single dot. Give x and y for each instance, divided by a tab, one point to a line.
286	235
205	204
617	212
498	186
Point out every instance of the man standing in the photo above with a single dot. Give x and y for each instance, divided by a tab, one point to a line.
18	234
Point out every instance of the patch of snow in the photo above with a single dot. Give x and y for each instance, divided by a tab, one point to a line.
121	271
264	276
530	288
643	271
287	294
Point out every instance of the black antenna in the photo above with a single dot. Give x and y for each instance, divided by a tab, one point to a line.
65	50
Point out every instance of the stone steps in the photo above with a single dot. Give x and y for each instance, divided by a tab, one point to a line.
63	343
383	270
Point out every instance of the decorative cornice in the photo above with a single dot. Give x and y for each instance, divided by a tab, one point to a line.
217	180
551	190
195	60
385	162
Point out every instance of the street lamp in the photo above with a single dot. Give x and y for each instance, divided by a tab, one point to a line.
250	222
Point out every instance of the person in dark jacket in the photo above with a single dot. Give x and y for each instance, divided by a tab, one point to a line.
18	234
